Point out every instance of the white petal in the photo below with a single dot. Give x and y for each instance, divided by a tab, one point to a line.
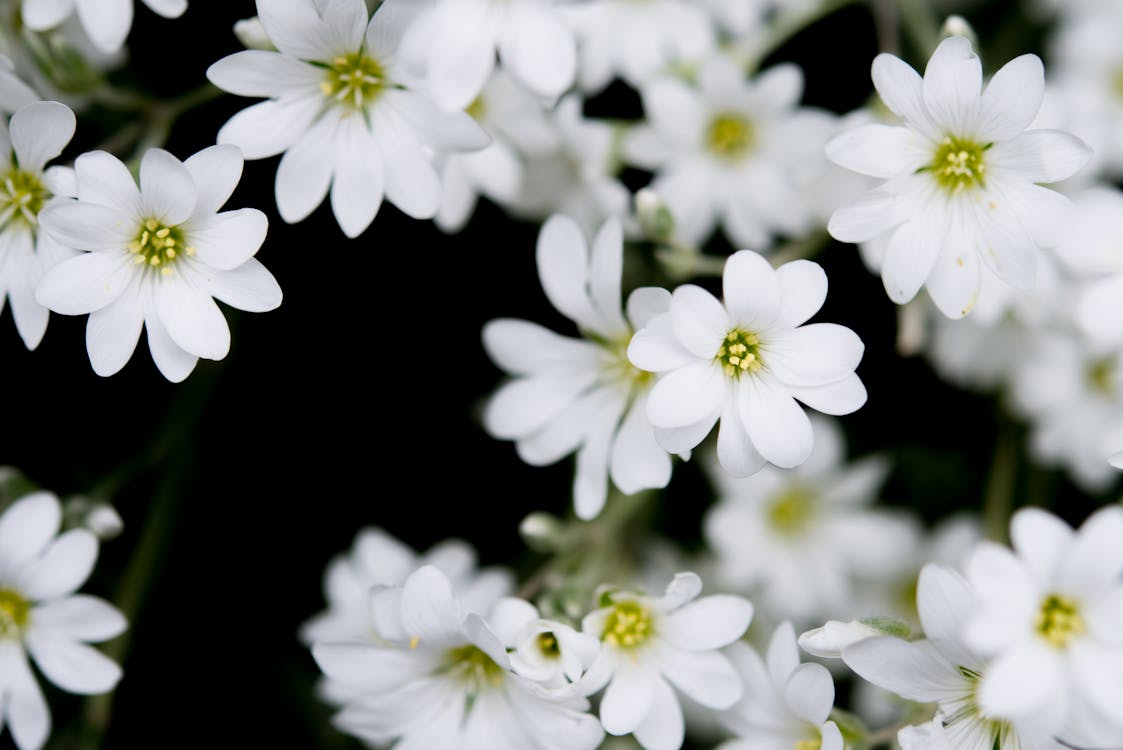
40	15
305	171
429	611
81	618
31	317
248	287
590	481
357	185
26	709
873	214
629	697
735	451
524	406
563	269
87	226
86	283
645	303
263	73
171	360
268	128
707	677
102	178
112	333
605	269
458	45
1012	99
952	84
227	240
803	289
439	129
777	425
751	291
687	395
193	320
809	693
638	462
107	22
64	566
680	440
654	348
880	150
954	281
662	728
1041	155
674	110
74	667
167	8
26	527
813	355
909	258
901	88
699	321
1020	681
411	182
520	347
216	172
845	396
298	29
40	132
1041	540
915	671
167	190
1095	561
708	623
539	50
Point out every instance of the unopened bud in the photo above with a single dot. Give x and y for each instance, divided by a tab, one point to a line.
251	33
958	26
542	532
655	219
829	640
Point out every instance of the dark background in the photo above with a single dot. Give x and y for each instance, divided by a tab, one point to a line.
355	403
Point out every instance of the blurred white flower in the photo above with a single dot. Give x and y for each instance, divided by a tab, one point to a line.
544	651
158	258
636	41
1049	614
580	395
730	150
797	541
107	22
38	133
14	93
961	176
441	678
42	617
786	704
456	41
746	361
649	644
341	112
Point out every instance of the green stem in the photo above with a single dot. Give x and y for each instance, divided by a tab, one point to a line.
920	24
151	130
786	26
998	503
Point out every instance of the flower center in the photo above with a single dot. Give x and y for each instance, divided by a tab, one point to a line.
159	246
627	626
22	196
1059	620
548	645
790	512
730	136
476	109
353	80
739	353
14	612
473	667
813	743
958	164
1101	376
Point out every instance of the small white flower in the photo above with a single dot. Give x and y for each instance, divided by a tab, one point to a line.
42	617
457	41
786	704
158	258
106	21
798	541
442	679
544	651
730	151
1050	617
961	176
637	41
649	644
580	395
746	362
38	133
341	111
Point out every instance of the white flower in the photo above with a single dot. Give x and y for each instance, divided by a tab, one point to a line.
730	151
637	41
961	176
340	110
158	255
38	133
786	704
442	679
942	669
41	616
580	395
649	644
106	21
457	41
746	362
545	651
1050	616
799	540
576	176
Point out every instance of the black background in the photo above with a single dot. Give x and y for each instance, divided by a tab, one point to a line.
355	403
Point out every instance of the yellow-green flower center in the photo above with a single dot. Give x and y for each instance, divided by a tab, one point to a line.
158	246
959	164
353	80
627	626
730	136
1117	84
812	743
1101	376
1059	620
739	352
473	667
14	612
790	512
476	109
22	195
548	645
